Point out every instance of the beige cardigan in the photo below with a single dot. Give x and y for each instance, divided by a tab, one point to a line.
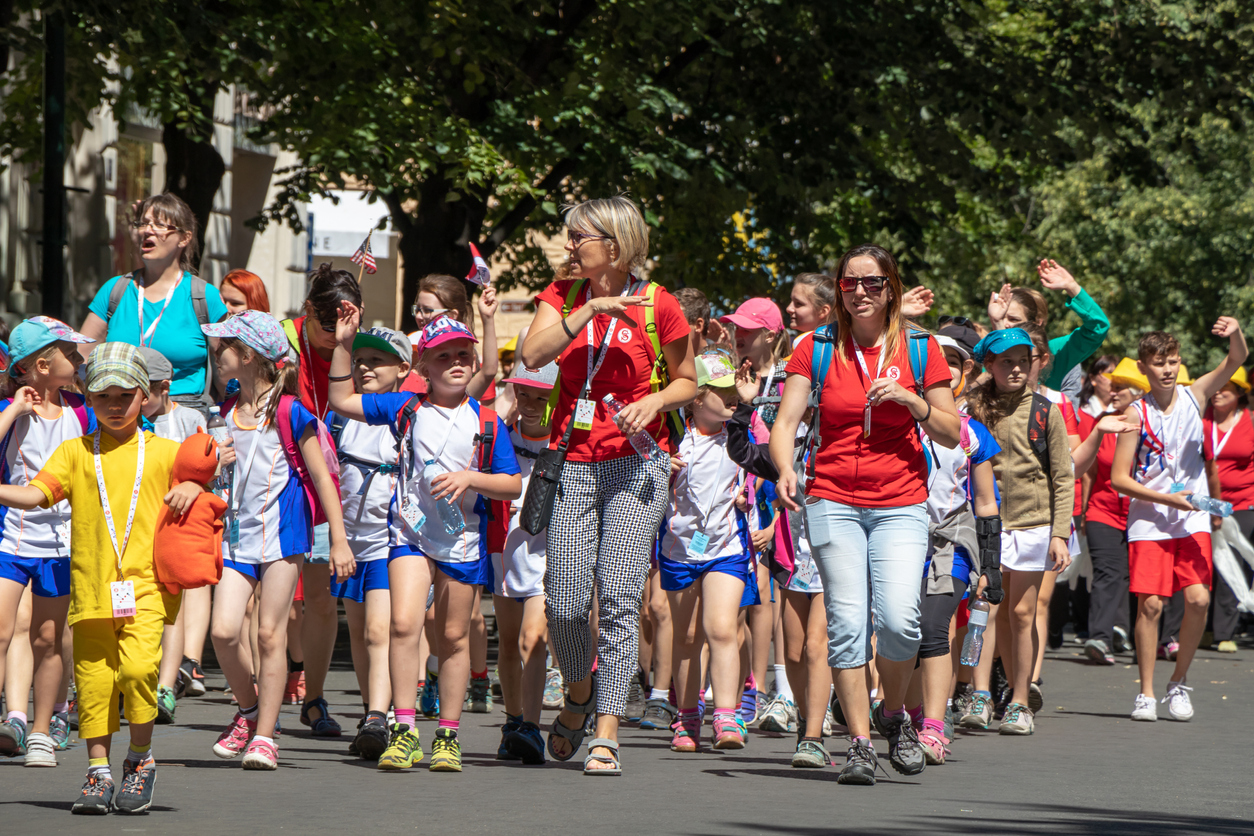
1030	498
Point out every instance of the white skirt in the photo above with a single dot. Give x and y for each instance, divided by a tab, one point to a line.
1026	550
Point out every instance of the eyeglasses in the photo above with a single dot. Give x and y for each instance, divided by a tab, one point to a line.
156	226
577	238
873	284
423	312
955	320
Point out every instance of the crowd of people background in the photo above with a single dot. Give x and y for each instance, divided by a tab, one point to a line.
666	509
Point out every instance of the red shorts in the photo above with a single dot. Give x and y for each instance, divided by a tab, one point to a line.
300	588
1164	567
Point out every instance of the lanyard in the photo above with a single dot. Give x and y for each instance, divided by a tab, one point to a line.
1218	444
104	499
145	337
605	344
718	476
237	484
857	350
313	384
1155	444
402	481
452	425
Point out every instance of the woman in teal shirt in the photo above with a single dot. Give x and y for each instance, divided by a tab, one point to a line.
169	322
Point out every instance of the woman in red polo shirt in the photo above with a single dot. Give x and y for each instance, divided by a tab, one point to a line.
865	499
610	501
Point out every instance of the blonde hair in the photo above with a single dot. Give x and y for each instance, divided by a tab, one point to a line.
284	380
618	219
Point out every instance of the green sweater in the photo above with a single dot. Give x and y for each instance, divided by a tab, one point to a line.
1080	344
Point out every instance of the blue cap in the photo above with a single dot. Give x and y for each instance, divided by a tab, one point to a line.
998	341
37	333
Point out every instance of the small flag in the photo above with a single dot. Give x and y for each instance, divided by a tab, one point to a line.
479	272
364	257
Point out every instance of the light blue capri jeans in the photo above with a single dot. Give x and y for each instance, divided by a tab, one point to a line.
870	560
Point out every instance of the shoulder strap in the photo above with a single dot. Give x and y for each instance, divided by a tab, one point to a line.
4	443
116	294
335	427
569	305
1038	430
918	357
78	405
650	327
199	303
293	338
405	418
487	437
820	360
283	418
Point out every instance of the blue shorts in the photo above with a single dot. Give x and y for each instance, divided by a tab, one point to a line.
321	551
370	574
248	570
472	573
677	576
752	596
49	577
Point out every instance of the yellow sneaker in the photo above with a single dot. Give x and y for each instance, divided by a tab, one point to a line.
446	752
1228	646
404	748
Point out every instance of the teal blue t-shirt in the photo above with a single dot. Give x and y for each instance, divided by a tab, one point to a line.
178	335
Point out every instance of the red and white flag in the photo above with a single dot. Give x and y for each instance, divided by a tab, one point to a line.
479	271
364	257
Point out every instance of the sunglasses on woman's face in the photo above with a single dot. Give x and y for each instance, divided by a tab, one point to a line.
873	284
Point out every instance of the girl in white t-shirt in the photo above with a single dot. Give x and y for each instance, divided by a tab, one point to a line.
269	526
35	544
439	520
705	561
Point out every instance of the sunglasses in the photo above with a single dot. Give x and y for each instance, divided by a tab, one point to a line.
578	238
955	320
873	284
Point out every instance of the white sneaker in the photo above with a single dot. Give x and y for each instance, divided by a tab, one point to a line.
40	750
829	723
776	717
1179	706
1146	709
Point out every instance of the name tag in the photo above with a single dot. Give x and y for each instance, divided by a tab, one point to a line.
700	542
63	531
583	414
412	516
1176	487
233	535
123	593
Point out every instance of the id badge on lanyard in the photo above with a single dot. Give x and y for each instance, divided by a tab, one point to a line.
585	409
121	591
866	412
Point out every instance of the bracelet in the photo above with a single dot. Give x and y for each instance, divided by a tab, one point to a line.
922	420
566	328
335	379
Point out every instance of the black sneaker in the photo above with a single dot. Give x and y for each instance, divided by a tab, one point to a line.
138	782
860	764
502	750
904	751
96	798
372	737
658	714
635	699
193	677
352	745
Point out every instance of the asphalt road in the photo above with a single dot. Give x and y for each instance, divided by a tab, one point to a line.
1087	770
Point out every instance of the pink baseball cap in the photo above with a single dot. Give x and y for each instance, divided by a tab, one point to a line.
441	331
758	312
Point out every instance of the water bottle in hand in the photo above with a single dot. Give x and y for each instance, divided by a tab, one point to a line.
973	644
219	433
642	441
450	514
1212	506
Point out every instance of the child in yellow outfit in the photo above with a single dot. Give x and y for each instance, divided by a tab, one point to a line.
116	607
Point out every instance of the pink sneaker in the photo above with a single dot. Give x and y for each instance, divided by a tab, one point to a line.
727	734
935	747
233	741
261	755
686	734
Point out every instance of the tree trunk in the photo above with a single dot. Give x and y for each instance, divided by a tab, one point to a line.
193	171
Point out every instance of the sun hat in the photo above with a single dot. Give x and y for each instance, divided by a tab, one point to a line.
758	312
117	364
949	342
159	368
999	341
37	333
1127	374
1240	378
544	377
441	331
715	369
964	335
385	340
257	330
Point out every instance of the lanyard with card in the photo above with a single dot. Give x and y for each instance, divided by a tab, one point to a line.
701	540
586	409
145	337
410	513
238	483
121	591
866	413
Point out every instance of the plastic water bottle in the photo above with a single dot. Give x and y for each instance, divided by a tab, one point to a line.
973	644
642	441
450	514
1212	506
219	433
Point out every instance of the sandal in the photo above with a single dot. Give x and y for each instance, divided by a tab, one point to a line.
616	766
573	736
323	726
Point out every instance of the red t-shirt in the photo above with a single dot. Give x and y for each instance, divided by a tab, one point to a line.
1073	428
624	373
1235	461
315	374
1105	505
888	469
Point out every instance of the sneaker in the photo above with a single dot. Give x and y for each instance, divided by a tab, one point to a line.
635	699
979	714
1227	646
1018	720
13	738
1036	697
495	678
478	697
193	677
904	752
1168	649
749	705
1097	651
686	735
779	716
138	782
446	752
810	754
352	744
829	723
294	688
860	764
372	737
261	755
1146	709
554	694
502	751
96	797
166	705
658	714
429	702
744	729
963	693
1179	706
1119	638
234	739
59	730
727	734
935	747
526	743
404	748
40	750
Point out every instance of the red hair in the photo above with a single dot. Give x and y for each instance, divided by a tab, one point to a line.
252	287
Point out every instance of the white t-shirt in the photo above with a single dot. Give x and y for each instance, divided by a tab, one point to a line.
363	450
948	481
178	424
524	555
40	532
703	500
1169	453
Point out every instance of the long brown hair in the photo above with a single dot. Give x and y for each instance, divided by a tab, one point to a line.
452	295
170	208
1035	308
894	321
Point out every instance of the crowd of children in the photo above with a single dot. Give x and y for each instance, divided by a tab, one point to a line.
419	470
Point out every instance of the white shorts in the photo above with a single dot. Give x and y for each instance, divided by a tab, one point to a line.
1026	550
518	572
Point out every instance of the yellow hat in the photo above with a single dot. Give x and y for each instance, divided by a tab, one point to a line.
512	345
1240	378
1183	378
1127	374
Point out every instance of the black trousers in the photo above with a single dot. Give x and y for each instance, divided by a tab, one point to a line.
1108	601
